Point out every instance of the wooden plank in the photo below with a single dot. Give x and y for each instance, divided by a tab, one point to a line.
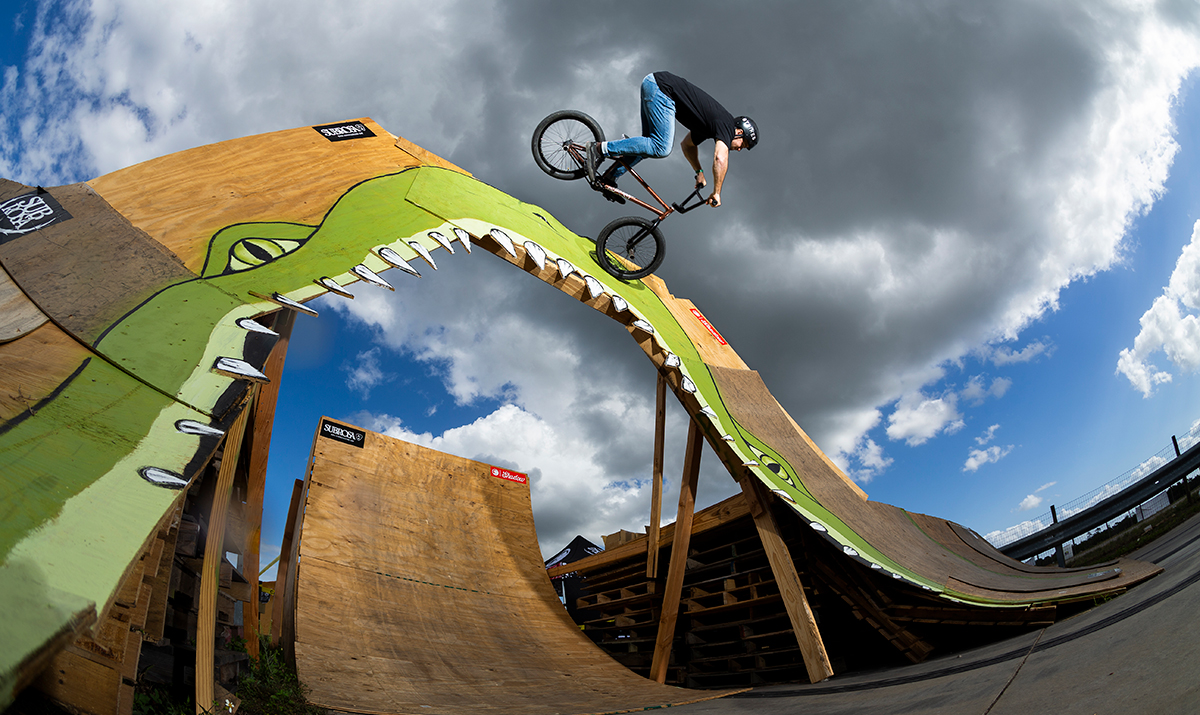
214	553
286	560
679	552
260	444
660	428
82	684
804	624
18	314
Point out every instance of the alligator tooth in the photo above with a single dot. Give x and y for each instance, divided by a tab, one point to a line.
442	240
394	258
254	326
162	478
706	410
819	527
423	253
198	428
464	238
620	304
672	360
728	438
537	253
565	268
504	241
849	551
332	286
595	287
240	369
688	385
643	325
877	567
751	463
289	303
370	276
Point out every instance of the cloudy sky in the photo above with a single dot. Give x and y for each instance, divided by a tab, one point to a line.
964	256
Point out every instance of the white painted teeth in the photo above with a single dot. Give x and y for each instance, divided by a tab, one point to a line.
504	241
564	268
877	567
445	242
620	304
239	369
464	238
688	385
727	437
423	253
370	276
254	326
751	463
818	527
595	287
197	428
289	303
332	286
537	253
849	551
162	478
644	326
706	410
394	259
672	360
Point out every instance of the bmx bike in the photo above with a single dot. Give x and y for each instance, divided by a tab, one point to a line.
629	247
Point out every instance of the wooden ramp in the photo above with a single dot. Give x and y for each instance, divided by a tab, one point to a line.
420	589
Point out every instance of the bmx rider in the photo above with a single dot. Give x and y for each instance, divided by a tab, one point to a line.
665	98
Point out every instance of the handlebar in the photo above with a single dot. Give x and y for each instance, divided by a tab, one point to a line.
684	208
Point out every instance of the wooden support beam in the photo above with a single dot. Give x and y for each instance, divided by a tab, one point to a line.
679	554
660	428
804	625
260	444
214	553
285	564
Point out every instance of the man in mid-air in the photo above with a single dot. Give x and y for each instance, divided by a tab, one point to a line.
665	98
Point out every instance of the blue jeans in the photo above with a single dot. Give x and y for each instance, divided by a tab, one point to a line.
658	129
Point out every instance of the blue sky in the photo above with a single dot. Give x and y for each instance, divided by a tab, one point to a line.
956	222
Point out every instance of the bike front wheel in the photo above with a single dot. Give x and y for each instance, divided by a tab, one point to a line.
558	143
630	247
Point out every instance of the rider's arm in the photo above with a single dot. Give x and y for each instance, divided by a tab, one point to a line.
720	166
692	155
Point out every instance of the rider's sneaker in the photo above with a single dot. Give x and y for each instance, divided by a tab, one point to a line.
607	182
592	149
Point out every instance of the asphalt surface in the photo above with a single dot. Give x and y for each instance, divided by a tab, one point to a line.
1138	653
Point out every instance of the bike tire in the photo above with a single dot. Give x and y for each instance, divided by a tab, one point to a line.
554	133
630	247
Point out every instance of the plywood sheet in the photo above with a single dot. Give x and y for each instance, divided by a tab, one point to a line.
421	589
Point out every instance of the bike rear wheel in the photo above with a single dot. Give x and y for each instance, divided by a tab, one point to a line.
557	133
630	247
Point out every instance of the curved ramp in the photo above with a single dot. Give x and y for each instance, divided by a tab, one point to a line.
123	359
420	589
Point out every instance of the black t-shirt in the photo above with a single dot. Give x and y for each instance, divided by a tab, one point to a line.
703	116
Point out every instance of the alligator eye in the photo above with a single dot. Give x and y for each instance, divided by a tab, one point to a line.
254	252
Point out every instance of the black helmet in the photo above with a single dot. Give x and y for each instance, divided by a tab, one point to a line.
749	131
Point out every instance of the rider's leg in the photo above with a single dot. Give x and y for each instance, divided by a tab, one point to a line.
658	130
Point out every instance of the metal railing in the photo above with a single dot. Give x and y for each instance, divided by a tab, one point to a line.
1164	456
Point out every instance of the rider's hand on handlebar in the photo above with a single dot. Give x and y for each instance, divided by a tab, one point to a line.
700	180
714	200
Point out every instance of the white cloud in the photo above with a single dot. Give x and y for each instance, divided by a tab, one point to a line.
1029	502
987	435
918	418
1007	356
979	457
1168	326
366	373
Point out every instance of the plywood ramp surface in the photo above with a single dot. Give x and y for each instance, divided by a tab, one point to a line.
421	589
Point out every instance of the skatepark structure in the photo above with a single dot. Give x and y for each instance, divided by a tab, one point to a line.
145	322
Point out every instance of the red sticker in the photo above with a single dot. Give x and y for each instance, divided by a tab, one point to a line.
510	476
711	329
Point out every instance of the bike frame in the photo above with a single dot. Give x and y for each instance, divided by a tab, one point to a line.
577	152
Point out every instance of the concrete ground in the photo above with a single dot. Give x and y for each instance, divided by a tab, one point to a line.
1139	653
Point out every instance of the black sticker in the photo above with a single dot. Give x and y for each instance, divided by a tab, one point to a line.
345	130
342	433
28	213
